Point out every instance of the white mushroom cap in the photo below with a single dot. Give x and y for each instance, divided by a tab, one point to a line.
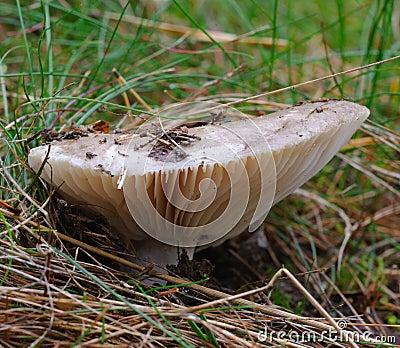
203	193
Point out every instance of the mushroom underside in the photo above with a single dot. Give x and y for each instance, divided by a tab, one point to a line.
201	194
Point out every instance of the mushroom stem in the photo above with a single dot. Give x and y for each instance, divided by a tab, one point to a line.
161	254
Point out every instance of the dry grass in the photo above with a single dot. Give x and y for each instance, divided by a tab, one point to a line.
52	298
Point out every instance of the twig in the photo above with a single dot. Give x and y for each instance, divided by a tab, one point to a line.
21	191
313	301
137	96
292	87
364	170
348	228
315	80
209	84
221	37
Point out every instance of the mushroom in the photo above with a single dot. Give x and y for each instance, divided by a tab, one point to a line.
171	186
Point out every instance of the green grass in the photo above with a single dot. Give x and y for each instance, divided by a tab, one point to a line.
56	62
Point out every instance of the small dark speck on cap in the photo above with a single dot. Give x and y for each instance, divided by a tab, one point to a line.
90	155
